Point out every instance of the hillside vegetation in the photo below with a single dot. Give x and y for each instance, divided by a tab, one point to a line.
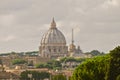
105	67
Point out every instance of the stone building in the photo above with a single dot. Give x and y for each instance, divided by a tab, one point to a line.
53	43
7	75
73	51
6	60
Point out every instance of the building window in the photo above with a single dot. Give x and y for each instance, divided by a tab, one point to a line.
59	50
49	50
54	50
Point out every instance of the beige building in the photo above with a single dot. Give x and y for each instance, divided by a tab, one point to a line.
7	75
53	43
6	60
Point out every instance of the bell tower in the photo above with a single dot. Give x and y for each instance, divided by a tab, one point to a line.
72	47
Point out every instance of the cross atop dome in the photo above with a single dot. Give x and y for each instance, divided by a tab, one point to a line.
53	24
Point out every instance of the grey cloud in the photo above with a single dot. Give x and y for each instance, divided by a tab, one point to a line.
11	6
93	23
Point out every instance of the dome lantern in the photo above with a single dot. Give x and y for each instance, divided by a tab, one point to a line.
53	24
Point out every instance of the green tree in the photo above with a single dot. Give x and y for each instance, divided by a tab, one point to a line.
106	67
56	64
1	62
95	53
68	59
39	65
18	61
92	69
44	65
58	77
35	75
118	77
114	64
24	75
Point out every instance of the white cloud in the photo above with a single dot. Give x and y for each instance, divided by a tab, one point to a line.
30	19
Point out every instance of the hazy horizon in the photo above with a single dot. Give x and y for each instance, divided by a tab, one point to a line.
96	23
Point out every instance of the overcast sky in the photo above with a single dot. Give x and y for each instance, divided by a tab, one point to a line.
96	23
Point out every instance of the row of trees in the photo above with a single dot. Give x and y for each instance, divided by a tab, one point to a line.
34	53
95	53
54	64
58	77
26	75
105	67
18	61
71	59
35	75
20	53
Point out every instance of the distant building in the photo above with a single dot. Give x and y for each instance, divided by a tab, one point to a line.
6	60
53	45
73	51
7	75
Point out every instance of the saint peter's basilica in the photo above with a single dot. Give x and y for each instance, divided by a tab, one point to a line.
53	44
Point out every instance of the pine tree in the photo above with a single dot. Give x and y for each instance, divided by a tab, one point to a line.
114	64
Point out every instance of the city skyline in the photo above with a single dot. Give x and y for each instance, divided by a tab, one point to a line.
96	23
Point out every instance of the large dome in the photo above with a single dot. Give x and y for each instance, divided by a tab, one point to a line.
53	36
53	43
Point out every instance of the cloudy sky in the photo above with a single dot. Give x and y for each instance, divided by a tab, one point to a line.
96	23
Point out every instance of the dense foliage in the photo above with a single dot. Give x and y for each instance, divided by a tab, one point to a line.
1	62
72	59
30	53
18	61
34	75
105	67
92	69
53	64
95	53
58	77
114	65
